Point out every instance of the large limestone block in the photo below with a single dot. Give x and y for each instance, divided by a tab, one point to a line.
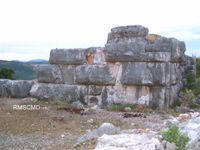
159	99
96	74
68	73
67	56
127	32
15	88
49	74
158	43
174	92
126	94
163	97
95	55
125	43
20	88
130	44
175	73
143	74
92	55
125	51
61	92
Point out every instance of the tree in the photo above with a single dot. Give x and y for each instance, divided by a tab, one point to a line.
6	73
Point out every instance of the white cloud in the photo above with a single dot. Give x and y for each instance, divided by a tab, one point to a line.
82	23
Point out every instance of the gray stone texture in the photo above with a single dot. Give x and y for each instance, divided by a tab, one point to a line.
49	74
15	88
68	73
125	51
127	32
92	55
3	88
143	74
94	90
158	44
67	56
143	48
125	94
94	75
63	92
105	128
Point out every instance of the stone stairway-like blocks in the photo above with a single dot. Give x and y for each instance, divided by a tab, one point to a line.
133	67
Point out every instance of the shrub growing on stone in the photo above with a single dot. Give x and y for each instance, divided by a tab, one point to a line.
173	135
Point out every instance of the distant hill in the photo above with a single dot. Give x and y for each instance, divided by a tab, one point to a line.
37	61
23	70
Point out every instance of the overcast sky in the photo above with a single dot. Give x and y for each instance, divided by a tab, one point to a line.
29	29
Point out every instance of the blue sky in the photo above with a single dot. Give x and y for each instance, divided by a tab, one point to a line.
30	29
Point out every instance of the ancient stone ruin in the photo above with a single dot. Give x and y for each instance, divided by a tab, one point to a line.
133	67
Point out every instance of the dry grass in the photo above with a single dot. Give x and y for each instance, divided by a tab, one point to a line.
53	122
49	122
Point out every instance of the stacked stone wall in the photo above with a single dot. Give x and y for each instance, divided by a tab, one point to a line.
133	67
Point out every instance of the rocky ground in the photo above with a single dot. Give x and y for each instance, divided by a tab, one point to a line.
53	126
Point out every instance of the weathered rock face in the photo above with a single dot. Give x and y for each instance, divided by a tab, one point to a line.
134	67
143	74
67	56
3	88
139	49
16	89
62	92
95	75
49	74
127	32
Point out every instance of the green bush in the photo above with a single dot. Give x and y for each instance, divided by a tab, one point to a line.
6	73
173	135
191	80
196	88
